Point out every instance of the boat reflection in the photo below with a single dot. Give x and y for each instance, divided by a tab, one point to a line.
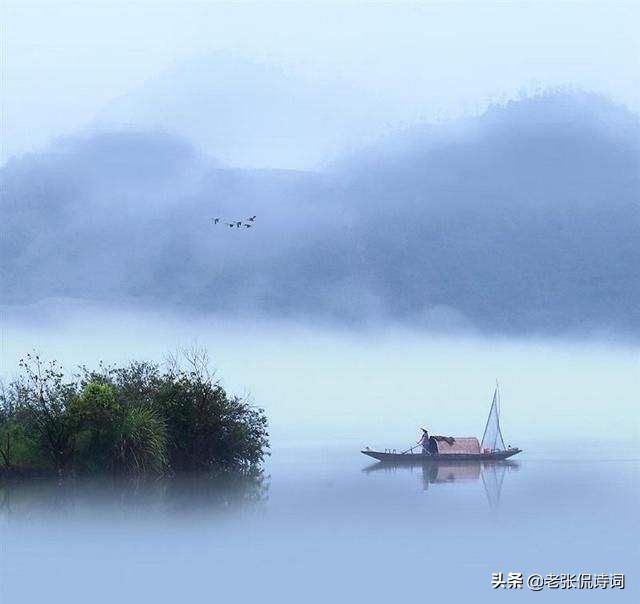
491	473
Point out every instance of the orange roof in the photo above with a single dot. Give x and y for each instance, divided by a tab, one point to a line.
462	444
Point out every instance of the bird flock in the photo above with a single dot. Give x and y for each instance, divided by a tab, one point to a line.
247	223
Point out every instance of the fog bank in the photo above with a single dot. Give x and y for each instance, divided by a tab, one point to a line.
370	387
522	221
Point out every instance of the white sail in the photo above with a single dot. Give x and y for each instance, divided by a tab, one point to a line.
492	437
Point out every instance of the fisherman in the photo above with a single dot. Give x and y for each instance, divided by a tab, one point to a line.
424	441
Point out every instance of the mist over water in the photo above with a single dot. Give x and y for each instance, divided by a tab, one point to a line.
324	524
372	386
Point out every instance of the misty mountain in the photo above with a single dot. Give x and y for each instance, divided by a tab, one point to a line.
255	114
523	220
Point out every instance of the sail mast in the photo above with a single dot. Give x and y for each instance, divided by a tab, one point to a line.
500	439
492	437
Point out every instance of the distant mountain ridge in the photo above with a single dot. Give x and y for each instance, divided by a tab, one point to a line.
250	113
523	220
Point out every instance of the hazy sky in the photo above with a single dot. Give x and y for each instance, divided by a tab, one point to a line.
62	62
320	385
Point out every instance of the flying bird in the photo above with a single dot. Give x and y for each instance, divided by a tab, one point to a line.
236	223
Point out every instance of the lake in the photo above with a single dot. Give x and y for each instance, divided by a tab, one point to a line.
325	524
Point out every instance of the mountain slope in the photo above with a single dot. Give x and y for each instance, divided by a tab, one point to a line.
525	219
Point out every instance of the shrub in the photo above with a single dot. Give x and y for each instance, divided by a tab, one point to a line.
137	418
141	444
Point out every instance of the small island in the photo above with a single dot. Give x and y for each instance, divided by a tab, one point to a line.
138	418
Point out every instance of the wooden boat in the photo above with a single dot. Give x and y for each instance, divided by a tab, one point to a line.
416	458
452	449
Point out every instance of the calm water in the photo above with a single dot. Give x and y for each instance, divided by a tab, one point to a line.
326	525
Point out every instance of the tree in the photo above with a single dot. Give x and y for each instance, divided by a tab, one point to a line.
135	418
42	399
207	428
7	426
96	417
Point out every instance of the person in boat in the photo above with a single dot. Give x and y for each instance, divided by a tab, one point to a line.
424	441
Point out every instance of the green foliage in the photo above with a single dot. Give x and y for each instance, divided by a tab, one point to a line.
38	401
96	417
141	445
138	419
208	428
16	448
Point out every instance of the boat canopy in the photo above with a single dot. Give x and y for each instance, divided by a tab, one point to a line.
448	445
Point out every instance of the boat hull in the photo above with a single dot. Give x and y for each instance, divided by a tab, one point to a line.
425	457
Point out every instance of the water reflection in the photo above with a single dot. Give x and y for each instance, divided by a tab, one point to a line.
185	494
491	473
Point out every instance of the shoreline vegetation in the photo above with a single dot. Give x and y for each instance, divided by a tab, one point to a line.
136	419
